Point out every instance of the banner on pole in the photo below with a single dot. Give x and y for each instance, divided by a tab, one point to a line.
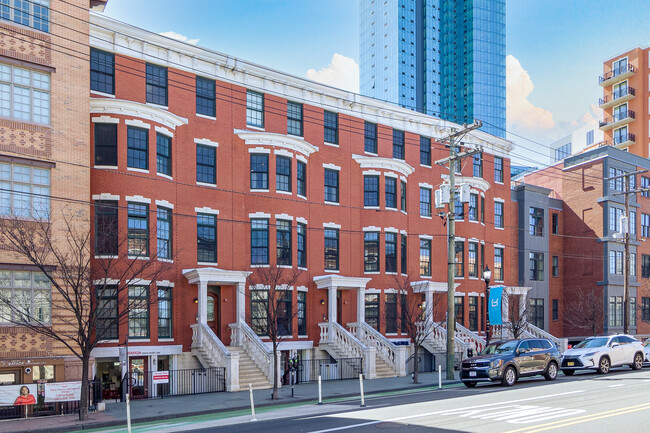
494	304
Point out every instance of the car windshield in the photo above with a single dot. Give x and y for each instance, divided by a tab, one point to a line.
647	343
500	347
592	342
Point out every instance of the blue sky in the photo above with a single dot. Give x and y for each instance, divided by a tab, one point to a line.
555	48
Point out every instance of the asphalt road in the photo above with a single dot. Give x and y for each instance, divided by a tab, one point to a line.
586	402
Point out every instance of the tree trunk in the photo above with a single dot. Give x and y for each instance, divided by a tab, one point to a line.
275	395
415	365
83	402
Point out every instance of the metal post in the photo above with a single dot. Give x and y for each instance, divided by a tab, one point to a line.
451	250
250	391
128	414
320	391
626	267
439	376
363	400
487	312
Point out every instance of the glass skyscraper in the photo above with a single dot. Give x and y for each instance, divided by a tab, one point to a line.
445	58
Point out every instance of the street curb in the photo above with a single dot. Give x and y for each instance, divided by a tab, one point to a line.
92	425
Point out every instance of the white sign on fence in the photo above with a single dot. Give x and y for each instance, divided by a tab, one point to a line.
62	391
17	394
160	377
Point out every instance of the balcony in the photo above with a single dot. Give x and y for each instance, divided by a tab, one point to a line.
617	120
616	75
623	141
618	97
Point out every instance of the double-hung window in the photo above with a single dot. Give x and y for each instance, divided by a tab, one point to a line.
156	84
403	195
391	192
331	185
164	233
371	252
390	244
498	169
107	316
24	94
398	144
498	264
391	313
536	306
301	241
331	249
284	312
164	312
259	171
645	266
24	191
403	253
370	137
138	230
498	214
106	144
472	260
259	311
645	225
536	266
301	178
616	262
459	207
645	309
372	309
254	109
425	151
31	13
294	118
138	311
459	309
472	210
283	242
205	97
425	202
259	242
536	221
102	71
302	313
206	238
371	191
25	297
459	259
106	229
555	266
425	257
645	186
473	313
164	154
331	127
137	141
283	173
477	164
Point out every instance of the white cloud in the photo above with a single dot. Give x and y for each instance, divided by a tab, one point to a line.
342	72
520	112
179	37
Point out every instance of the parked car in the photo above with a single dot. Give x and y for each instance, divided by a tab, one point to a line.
646	349
507	361
602	353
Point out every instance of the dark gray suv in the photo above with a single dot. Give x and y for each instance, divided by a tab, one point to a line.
509	360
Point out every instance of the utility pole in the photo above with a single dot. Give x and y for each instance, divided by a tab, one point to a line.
451	239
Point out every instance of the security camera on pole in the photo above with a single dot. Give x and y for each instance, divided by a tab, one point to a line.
444	196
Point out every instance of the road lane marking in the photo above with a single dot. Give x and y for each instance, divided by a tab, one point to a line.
582	419
616	386
471	408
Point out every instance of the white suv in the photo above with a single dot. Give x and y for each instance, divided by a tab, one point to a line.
602	353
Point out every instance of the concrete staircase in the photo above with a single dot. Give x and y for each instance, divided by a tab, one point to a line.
249	372
382	368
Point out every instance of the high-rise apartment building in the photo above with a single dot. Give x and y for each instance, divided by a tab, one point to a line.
445	58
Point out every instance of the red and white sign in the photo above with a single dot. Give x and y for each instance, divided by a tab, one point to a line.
160	377
62	391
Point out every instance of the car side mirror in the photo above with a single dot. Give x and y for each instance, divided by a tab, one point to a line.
521	351
614	344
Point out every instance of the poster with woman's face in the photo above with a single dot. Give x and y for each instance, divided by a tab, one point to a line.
15	395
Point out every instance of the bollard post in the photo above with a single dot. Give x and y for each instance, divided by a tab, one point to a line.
320	391
128	414
363	401
439	377
250	390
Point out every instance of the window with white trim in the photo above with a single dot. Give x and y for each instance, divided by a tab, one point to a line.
24	94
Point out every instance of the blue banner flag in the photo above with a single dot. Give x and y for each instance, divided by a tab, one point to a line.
494	306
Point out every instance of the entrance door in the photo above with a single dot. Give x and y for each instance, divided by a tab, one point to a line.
139	380
213	316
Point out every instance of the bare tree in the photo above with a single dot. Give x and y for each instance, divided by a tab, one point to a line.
89	299
416	319
274	315
586	312
517	317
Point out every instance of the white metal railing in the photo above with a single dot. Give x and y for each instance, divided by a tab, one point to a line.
383	346
475	342
344	342
206	341
259	353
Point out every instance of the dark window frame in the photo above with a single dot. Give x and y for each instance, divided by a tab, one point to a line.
206	164
137	148
331	185
165	312
398	144
259	241
425	257
295	118
425	151
282	173
390	192
138	217
331	127
157	85
370	191
498	169
371	252
283	242
370	137
106	220
301	245
164	233
259	169
163	154
301	179
331	243
102	71
206	98
139	312
206	238
105	144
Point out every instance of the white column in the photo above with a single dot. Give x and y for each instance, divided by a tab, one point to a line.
203	302
331	304
428	297
361	310
241	302
522	307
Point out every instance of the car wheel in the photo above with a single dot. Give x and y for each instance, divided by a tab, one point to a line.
509	376
551	371
603	365
568	372
470	384
638	362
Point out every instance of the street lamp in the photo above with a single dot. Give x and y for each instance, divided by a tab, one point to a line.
487	273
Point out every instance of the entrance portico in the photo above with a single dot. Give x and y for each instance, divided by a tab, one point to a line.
332	283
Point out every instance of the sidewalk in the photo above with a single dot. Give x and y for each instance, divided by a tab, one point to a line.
177	407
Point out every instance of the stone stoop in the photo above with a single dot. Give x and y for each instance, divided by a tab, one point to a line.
249	372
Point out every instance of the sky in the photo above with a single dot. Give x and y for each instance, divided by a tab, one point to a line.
555	50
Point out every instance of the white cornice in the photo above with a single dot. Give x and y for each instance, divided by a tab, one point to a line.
118	37
256	138
383	163
474	182
340	281
136	109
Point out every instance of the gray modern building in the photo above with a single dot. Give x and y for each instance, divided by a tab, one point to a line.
445	58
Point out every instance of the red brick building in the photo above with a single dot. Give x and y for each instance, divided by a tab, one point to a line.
220	168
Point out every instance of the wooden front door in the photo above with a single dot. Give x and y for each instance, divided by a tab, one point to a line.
213	316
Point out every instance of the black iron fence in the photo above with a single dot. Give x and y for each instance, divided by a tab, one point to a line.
329	369
142	385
